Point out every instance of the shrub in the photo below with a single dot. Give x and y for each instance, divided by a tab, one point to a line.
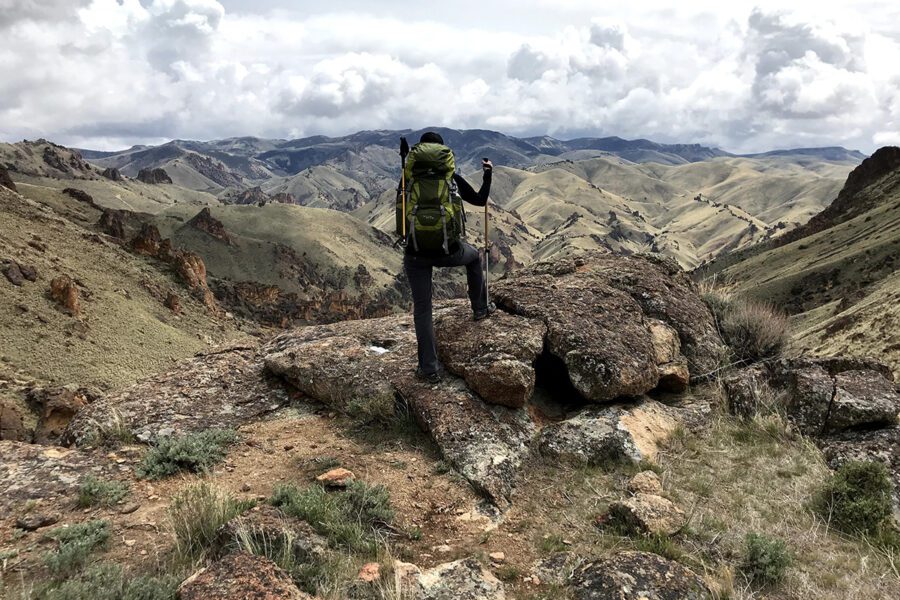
76	544
765	560
196	514
753	329
196	452
349	518
108	582
96	492
857	499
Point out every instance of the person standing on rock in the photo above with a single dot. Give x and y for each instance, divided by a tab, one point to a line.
431	222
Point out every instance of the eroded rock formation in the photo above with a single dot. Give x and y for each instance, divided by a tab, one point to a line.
154	176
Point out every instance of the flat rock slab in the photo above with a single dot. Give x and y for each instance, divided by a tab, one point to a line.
34	472
355	365
637	576
646	513
601	311
225	388
602	434
240	575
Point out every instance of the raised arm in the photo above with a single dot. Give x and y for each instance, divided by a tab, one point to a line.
468	193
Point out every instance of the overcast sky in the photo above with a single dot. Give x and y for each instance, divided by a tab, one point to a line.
745	76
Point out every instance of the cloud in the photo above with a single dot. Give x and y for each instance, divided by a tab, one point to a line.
118	72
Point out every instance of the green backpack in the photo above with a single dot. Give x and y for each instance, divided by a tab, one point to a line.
434	216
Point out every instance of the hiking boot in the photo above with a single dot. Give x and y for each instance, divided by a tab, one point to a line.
432	378
484	313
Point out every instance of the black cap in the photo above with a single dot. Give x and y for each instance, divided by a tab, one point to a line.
430	137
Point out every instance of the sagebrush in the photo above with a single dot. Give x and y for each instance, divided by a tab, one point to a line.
197	513
764	560
194	452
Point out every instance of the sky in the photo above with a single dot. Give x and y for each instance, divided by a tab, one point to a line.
743	76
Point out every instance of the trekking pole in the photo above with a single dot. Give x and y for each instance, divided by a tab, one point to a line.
404	150
487	257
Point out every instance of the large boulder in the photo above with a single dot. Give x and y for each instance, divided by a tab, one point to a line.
637	576
240	575
223	388
645	514
5	180
154	176
599	435
495	356
64	291
605	316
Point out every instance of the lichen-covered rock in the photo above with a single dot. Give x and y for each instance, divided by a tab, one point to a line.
645	513
596	435
604	315
34	472
495	356
219	389
637	576
240	575
56	407
463	579
819	395
364	367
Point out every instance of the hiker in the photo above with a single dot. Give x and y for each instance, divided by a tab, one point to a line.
431	219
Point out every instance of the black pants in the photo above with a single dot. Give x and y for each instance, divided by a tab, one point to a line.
419	271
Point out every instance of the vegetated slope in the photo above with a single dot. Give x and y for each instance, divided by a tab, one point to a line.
123	331
839	274
284	263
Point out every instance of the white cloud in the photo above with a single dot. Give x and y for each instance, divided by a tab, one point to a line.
118	72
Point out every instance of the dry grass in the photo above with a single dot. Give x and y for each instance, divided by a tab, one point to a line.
757	476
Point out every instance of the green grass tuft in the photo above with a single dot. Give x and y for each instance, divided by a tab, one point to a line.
754	330
765	560
196	514
97	492
195	452
350	519
108	582
857	499
76	543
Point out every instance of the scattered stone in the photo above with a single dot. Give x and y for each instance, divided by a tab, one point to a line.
173	302
17	274
637	576
645	482
240	575
246	488
5	180
35	521
555	569
154	176
497	557
64	292
370	572
645	513
129	508
339	477
610	433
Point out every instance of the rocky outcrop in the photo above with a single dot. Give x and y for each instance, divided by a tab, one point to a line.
602	435
112	174
12	422
268	527
598	309
254	195
282	198
204	221
240	575
55	408
637	576
147	241
112	222
220	389
820	395
5	180
81	196
154	176
173	302
64	292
